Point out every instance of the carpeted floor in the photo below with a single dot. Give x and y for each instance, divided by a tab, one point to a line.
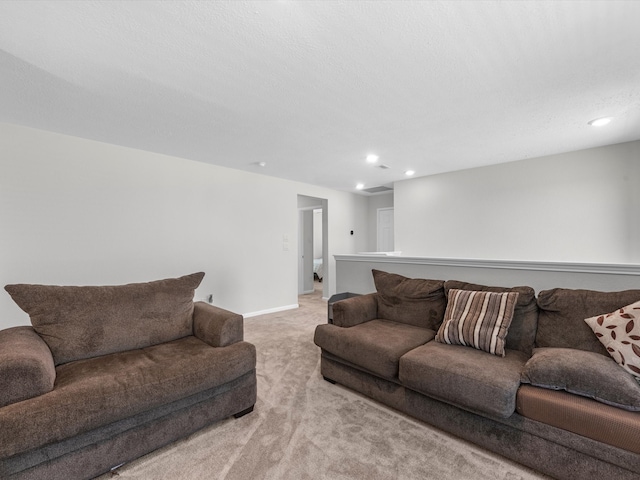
305	428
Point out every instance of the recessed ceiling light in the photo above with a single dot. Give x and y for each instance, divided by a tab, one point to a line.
408	173
360	186
262	164
599	122
372	158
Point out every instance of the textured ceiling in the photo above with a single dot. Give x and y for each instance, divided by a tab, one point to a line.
312	87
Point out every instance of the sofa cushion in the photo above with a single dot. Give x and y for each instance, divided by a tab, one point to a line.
26	365
562	313
478	319
619	333
584	373
582	416
522	331
98	391
85	322
375	346
414	301
465	377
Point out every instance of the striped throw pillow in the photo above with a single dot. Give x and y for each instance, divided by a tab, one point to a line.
478	319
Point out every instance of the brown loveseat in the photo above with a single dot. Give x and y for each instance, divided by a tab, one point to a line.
107	374
556	401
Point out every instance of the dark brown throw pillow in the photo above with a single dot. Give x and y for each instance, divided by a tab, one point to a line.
85	322
413	301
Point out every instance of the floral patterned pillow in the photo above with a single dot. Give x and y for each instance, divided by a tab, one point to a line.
619	332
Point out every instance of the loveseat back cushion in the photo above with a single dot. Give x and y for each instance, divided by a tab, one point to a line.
522	331
583	373
414	301
561	321
86	322
26	365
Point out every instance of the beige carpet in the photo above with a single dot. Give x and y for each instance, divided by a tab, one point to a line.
305	428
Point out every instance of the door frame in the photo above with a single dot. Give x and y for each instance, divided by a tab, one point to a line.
323	204
378	230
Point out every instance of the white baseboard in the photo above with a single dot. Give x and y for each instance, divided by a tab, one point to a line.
270	310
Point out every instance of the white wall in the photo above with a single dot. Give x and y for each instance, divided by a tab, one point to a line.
576	207
80	212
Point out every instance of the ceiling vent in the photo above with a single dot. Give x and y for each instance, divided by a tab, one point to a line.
384	167
377	189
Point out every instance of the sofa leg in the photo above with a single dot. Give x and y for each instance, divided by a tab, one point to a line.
243	412
333	382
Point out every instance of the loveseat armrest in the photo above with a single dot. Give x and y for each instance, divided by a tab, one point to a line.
355	310
216	326
26	365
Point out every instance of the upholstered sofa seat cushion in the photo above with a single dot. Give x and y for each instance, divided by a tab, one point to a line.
466	377
375	346
584	373
96	392
581	415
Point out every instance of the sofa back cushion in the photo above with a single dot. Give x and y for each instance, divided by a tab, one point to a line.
522	331
563	313
86	322
414	301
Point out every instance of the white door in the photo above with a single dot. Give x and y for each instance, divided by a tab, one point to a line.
385	230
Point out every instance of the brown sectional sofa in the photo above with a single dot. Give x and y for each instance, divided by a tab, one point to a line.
107	374
556	402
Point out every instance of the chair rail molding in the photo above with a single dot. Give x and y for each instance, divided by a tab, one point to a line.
353	272
609	268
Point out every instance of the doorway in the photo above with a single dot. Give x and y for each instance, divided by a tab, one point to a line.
313	264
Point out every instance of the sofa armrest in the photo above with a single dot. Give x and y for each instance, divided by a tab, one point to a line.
216	326
26	365
355	310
